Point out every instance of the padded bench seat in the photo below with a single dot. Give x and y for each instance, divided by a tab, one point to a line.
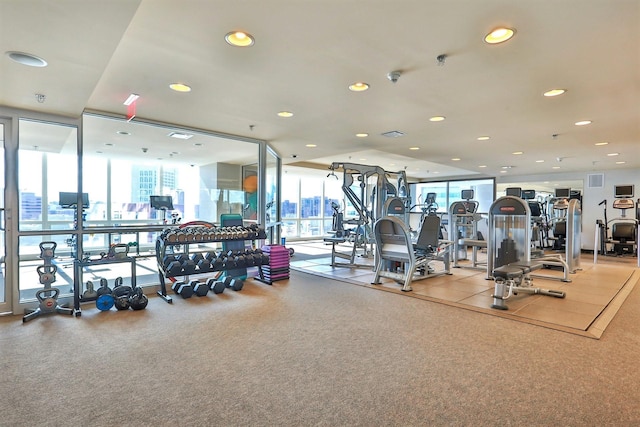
516	269
335	239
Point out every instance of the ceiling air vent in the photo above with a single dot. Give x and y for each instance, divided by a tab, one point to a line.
596	180
180	135
393	134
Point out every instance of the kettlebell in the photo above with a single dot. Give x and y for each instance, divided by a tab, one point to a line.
121	294
104	288
90	292
47	273
138	300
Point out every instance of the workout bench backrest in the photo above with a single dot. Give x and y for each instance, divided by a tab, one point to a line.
392	240
428	237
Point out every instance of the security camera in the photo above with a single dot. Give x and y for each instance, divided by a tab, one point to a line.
295	156
144	150
394	76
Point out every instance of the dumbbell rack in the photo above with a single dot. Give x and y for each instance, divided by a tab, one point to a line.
80	265
182	236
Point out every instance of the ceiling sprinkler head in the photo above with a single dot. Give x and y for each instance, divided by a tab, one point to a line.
441	59
394	76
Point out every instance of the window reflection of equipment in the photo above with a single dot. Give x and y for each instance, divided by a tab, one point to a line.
463	220
624	229
69	200
164	204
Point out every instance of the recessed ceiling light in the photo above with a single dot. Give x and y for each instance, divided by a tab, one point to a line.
483	138
358	87
123	132
27	59
482	166
435	172
239	39
131	99
583	122
179	135
554	92
621	163
362	135
555	167
285	114
108	144
539	161
436	118
414	148
311	145
455	159
197	144
601	143
613	154
503	171
499	35
517	153
180	87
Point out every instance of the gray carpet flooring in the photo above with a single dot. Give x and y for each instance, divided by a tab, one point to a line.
313	351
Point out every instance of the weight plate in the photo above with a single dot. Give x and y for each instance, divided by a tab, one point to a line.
105	302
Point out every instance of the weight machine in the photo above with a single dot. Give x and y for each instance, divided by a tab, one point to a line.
399	259
463	220
509	261
510	237
372	194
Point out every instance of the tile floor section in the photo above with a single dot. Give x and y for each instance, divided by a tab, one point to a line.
593	296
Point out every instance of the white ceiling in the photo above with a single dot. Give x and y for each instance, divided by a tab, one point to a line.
306	54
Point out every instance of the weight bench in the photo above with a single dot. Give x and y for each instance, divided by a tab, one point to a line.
513	278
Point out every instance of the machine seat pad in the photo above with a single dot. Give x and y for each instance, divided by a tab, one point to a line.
508	272
528	266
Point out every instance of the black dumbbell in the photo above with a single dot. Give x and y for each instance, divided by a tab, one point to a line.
257	256
204	265
241	260
248	258
183	289
188	267
230	262
174	269
234	283
218	263
168	259
217	286
199	288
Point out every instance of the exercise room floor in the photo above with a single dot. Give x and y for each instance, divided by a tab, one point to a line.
593	296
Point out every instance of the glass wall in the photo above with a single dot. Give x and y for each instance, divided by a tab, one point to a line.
122	165
309	201
448	192
272	196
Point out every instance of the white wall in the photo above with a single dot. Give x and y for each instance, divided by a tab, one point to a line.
591	196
